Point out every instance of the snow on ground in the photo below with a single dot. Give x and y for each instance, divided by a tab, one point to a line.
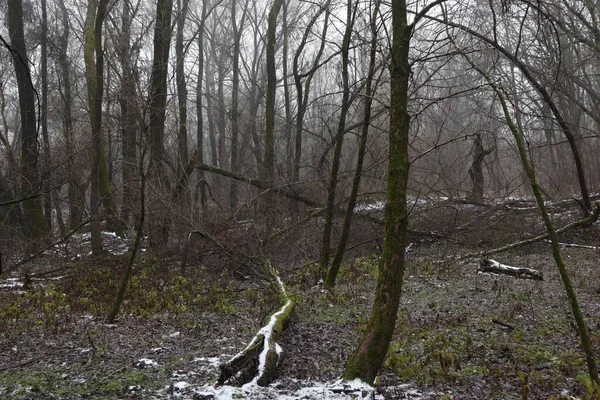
146	363
364	207
212	361
11	283
309	390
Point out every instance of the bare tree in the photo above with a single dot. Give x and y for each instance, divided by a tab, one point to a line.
36	226
157	106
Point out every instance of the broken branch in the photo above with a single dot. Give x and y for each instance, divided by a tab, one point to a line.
494	267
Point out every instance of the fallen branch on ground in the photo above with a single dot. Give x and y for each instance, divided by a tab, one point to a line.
259	360
494	267
503	324
579	246
584	221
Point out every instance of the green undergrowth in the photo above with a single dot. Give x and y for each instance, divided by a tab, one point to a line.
117	384
452	353
154	290
346	303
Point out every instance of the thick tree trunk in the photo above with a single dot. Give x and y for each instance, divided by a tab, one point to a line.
157	179
128	119
94	65
269	157
200	109
235	89
210	115
476	171
182	135
44	116
33	212
370	353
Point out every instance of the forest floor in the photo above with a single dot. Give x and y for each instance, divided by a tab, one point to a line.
460	334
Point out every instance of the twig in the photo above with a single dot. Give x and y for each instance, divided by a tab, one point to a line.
504	324
21	364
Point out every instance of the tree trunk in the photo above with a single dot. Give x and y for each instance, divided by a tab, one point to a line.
36	227
338	142
302	92
262	353
93	57
362	147
370	353
548	100
200	109
44	117
476	171
158	231
128	119
582	329
75	193
269	157
210	112
182	135
235	89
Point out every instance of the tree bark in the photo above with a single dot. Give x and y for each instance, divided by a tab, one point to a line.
75	193
362	147
128	121
200	109
303	90
158	230
182	134
338	143
44	115
269	157
36	227
476	171
370	353
235	89
262	351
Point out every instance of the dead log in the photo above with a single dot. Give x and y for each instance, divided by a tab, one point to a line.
494	267
258	362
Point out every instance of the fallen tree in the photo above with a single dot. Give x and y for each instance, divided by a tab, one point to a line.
584	221
258	362
494	267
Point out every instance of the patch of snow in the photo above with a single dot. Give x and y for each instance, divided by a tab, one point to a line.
83	236
79	381
212	361
146	363
175	334
312	390
157	350
376	206
11	283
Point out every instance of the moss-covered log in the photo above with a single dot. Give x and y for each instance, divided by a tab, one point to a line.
258	362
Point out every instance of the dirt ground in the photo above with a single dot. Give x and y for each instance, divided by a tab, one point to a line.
460	334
